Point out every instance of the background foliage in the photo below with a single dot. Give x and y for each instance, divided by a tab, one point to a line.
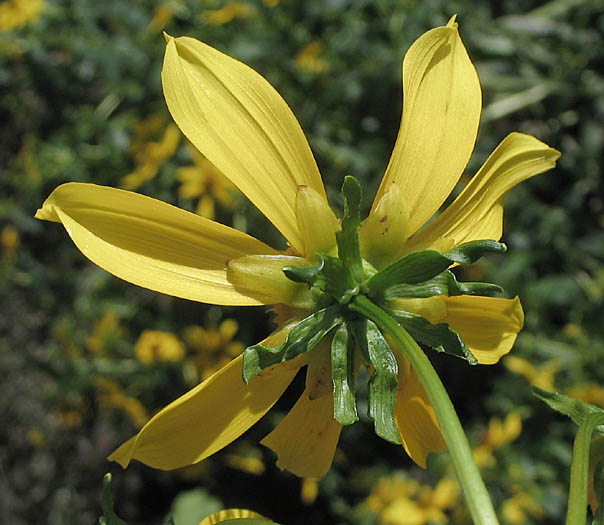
81	100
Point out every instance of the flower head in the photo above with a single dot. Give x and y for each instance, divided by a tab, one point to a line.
243	127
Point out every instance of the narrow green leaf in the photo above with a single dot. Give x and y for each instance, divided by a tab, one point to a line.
304	336
384	380
303	274
441	337
342	373
419	267
109	517
444	283
577	410
348	238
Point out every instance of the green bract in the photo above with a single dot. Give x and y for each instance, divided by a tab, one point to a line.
335	281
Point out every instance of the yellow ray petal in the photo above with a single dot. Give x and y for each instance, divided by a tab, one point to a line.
230	514
306	440
150	243
242	125
317	222
488	325
383	234
416	421
477	213
441	111
210	416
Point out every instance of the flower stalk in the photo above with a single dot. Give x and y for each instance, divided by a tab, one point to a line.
579	470
475	492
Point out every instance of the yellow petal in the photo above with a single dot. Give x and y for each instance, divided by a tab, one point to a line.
477	213
306	440
383	234
317	222
416	421
191	428
441	111
262	277
231	514
238	121
150	243
488	325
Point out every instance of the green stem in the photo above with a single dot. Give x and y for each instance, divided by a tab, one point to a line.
579	470
475	492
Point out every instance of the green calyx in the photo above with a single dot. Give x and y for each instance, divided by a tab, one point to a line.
335	282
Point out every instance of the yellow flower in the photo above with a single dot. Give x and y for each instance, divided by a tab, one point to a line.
542	376
401	501
17	13
214	346
515	509
104	330
9	238
110	396
500	433
154	345
308	58
205	181
227	13
236	119
150	154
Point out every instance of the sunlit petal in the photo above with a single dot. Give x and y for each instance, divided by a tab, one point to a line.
231	514
306	440
210	416
488	325
416	421
441	111
152	244
317	222
242	125
477	213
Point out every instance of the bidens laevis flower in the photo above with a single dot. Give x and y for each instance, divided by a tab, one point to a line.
242	126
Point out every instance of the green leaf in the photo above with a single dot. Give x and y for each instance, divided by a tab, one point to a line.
348	238
342	373
109	517
419	267
577	410
383	382
439	336
304	336
443	284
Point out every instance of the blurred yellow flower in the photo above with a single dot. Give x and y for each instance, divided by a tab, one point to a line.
204	180
227	13
402	501
163	15
69	418
150	154
515	510
591	393
111	396
155	345
499	433
542	376
309	490
213	345
246	458
9	238
104	330
309	60
17	13
271	3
